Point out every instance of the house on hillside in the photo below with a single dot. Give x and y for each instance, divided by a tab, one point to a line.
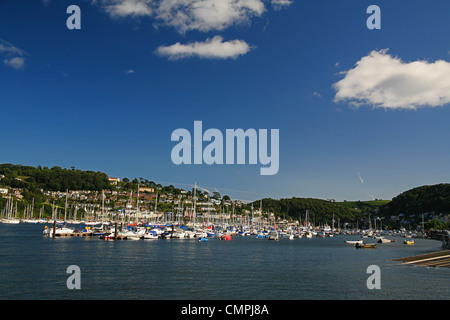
113	181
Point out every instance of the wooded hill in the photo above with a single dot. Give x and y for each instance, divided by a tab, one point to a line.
420	200
54	179
320	211
415	202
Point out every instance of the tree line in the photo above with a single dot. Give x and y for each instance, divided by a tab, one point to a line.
52	179
319	211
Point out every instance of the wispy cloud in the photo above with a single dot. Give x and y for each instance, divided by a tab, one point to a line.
12	56
214	48
384	81
125	8
281	4
360	178
16	62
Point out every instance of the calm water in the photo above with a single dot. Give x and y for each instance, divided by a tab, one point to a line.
34	267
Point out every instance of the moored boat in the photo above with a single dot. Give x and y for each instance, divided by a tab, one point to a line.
366	245
273	235
11	221
59	230
133	237
225	237
151	235
354	242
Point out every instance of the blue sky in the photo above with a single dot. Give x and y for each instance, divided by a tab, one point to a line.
362	113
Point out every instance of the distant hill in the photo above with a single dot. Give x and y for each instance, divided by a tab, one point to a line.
433	198
320	211
414	202
365	206
52	179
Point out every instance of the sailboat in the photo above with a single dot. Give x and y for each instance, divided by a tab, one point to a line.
273	235
308	234
10	219
151	235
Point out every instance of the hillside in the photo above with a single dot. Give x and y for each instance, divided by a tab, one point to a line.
365	206
432	201
320	211
54	179
424	199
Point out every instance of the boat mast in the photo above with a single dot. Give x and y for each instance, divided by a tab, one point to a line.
65	207
195	202
137	203
156	207
32	206
103	204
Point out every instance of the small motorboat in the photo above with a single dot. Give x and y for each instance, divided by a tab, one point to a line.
354	242
408	242
273	235
59	230
225	237
151	235
366	245
202	239
133	237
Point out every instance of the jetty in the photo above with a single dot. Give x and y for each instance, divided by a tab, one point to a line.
434	259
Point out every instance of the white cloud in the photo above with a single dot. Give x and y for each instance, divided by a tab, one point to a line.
207	15
186	15
194	15
211	48
281	4
16	62
381	80
124	8
130	71
13	56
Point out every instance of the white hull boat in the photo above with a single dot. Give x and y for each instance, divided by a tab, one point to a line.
354	242
11	221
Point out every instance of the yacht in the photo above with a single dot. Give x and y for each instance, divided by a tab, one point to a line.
59	230
273	235
10	221
178	234
151	235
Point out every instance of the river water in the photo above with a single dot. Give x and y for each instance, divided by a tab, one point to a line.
34	267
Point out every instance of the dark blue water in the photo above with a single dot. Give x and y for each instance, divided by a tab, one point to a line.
246	268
